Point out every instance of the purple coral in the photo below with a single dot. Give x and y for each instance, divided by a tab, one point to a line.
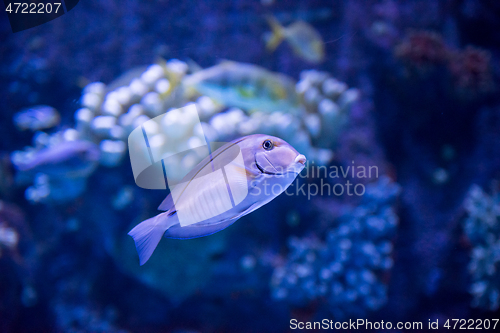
471	70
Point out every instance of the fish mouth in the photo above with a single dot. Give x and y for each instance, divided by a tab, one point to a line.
301	159
264	171
289	170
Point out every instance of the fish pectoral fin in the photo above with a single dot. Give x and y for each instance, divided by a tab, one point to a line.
239	169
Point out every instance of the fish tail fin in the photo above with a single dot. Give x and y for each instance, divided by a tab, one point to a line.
148	234
278	33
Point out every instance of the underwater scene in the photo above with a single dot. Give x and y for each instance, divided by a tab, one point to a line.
250	166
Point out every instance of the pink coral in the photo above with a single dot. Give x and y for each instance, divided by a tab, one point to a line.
471	70
422	48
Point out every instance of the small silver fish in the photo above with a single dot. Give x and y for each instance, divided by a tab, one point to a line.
37	118
69	159
253	170
246	86
305	41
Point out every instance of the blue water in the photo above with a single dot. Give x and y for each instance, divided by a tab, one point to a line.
395	218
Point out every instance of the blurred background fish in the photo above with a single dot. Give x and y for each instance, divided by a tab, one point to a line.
67	159
247	86
37	118
304	40
59	173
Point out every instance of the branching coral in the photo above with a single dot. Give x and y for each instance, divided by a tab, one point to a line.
482	227
348	270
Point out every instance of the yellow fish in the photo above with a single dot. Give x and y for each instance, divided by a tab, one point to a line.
305	41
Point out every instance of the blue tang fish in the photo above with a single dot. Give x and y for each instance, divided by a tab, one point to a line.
233	181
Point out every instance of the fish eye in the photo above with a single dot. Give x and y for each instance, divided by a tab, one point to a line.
267	145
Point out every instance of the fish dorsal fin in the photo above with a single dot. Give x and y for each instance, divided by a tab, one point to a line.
193	66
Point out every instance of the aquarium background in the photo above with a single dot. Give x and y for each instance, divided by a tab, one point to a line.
411	87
